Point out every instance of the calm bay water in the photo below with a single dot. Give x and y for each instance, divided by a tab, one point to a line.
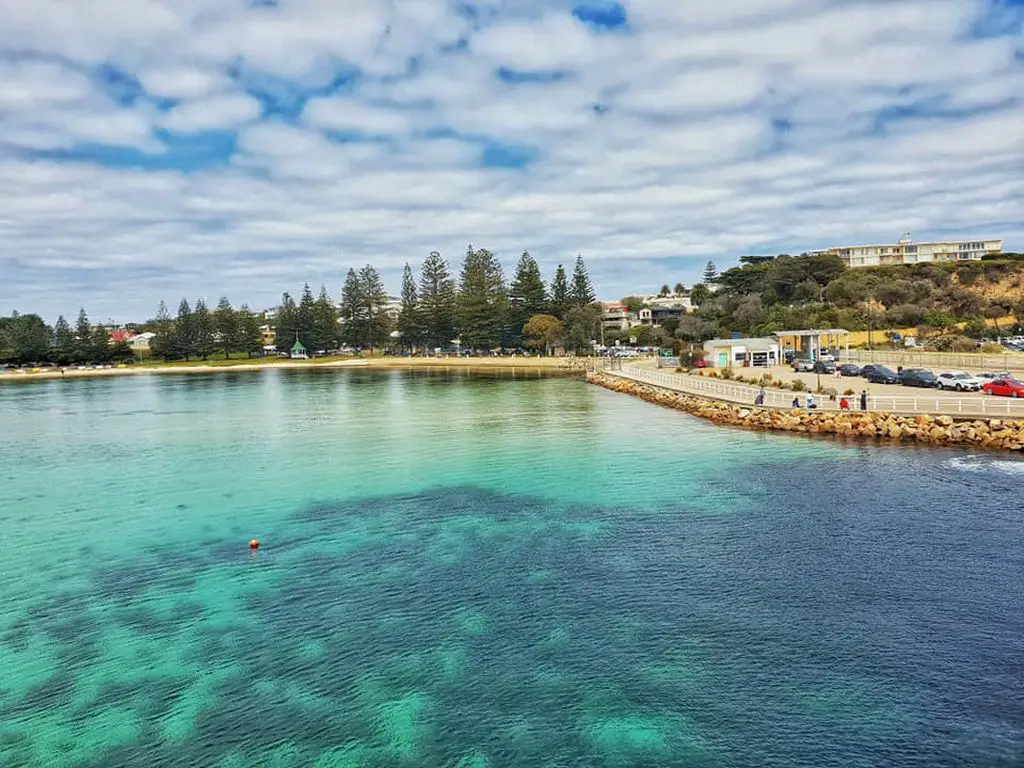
490	572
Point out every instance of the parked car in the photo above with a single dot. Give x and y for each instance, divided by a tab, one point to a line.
961	381
802	365
1004	387
882	375
990	376
849	369
918	377
866	370
824	366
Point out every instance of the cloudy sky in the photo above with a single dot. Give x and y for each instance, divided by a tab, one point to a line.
157	148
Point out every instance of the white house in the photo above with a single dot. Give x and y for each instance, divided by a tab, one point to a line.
140	342
742	353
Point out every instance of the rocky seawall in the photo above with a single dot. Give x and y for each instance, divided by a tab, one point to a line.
994	434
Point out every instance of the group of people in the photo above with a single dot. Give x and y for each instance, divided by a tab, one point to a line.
844	404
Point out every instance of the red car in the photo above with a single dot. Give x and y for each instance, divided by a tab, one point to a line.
1004	387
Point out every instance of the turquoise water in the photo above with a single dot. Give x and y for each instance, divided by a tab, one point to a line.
489	571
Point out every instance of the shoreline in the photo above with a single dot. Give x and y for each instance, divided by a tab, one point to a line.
546	365
988	434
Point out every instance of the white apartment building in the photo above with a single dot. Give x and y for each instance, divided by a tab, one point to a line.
908	252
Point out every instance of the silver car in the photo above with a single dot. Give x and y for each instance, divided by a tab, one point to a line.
961	381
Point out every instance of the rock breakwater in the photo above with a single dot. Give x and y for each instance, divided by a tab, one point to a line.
994	434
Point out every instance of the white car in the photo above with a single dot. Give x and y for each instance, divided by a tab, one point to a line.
961	381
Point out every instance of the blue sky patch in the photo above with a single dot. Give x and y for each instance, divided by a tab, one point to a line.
602	15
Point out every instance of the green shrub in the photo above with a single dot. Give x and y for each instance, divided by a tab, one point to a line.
848	391
798	386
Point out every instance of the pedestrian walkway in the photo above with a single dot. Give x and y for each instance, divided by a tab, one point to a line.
966	407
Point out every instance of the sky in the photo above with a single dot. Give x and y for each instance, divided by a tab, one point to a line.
154	149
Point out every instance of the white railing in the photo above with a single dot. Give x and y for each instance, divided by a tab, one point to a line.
980	405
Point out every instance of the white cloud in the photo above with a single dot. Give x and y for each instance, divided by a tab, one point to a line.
337	114
217	113
183	82
709	130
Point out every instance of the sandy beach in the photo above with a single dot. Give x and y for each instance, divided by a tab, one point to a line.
551	364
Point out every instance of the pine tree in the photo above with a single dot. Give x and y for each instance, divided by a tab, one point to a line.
286	324
63	341
560	301
581	292
99	344
202	324
304	322
526	297
482	301
83	338
409	324
437	302
162	343
353	329
710	272
375	301
225	324
248	338
183	338
324	328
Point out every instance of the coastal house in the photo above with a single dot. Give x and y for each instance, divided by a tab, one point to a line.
728	353
906	251
141	341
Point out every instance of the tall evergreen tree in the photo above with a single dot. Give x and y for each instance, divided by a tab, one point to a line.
437	302
710	272
248	338
375	301
99	344
202	330
353	328
526	296
63	341
183	338
409	324
324	326
482	300
581	291
286	324
225	324
560	299
304	324
83	338
161	345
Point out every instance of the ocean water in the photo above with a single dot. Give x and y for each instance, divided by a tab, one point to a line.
488	572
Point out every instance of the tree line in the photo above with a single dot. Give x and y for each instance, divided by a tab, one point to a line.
26	338
476	307
480	310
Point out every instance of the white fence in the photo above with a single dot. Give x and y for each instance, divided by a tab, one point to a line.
979	405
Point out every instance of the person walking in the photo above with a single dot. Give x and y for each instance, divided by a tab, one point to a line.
863	399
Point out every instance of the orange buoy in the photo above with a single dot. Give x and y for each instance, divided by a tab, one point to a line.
254	544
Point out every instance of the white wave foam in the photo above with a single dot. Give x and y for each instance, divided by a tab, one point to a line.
985	464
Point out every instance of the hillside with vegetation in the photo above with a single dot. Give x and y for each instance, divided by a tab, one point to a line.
949	305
